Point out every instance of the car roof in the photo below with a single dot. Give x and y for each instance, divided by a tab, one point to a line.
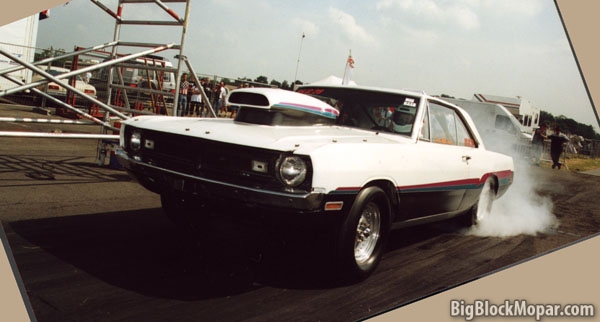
368	88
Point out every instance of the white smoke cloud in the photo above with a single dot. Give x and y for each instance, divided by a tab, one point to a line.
522	210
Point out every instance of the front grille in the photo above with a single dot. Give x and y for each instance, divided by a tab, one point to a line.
213	160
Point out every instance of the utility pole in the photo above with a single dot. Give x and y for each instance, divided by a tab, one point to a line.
298	62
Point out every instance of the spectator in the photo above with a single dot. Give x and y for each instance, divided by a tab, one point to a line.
87	77
183	91
557	141
208	103
222	97
189	110
382	116
195	101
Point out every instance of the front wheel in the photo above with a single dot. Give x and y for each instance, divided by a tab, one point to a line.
363	233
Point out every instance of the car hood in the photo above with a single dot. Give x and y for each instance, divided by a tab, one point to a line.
302	139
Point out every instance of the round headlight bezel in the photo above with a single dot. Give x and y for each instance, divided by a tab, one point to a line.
292	170
135	141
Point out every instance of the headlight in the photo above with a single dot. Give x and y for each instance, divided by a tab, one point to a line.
135	142
292	170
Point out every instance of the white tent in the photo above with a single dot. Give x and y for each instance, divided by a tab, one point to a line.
332	80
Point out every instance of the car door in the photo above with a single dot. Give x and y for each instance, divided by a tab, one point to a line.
444	149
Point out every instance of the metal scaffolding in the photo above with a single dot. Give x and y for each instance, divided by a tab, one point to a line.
114	103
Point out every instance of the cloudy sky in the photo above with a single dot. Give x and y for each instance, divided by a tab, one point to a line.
455	47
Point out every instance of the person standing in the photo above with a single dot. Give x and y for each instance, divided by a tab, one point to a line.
87	77
222	97
557	142
188	107
183	91
195	101
208	101
539	136
217	98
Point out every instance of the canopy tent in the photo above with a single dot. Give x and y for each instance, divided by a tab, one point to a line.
332	80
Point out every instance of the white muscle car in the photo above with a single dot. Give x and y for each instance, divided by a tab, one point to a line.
364	160
55	89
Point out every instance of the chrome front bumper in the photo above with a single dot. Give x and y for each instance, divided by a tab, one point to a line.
160	180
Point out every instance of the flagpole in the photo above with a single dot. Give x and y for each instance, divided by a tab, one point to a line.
346	67
298	61
345	70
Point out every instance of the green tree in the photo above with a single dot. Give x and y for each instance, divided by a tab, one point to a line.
51	52
546	118
569	125
262	79
243	80
275	83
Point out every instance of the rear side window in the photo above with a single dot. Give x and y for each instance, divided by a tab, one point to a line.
447	127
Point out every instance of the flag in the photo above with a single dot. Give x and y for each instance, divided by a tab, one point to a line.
44	14
348	71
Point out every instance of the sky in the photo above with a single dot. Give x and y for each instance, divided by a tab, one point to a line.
455	47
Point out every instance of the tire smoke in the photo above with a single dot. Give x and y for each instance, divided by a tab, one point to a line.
521	210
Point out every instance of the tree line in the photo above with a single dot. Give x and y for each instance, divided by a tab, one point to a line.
569	125
262	80
566	124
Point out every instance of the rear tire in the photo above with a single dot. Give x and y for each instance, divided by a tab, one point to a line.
483	208
486	201
363	234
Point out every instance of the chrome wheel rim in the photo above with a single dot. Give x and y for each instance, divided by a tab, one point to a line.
367	233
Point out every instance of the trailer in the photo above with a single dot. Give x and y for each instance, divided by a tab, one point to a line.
18	38
523	109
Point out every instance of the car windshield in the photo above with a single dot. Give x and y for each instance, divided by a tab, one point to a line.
369	109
